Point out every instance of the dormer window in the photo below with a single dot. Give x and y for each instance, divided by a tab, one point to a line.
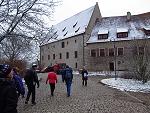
75	24
122	33
77	30
147	31
102	34
63	29
65	33
55	35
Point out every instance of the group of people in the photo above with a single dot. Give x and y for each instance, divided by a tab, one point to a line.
11	85
67	77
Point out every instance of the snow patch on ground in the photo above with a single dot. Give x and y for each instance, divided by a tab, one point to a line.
127	85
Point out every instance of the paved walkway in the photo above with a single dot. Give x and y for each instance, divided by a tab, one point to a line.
95	98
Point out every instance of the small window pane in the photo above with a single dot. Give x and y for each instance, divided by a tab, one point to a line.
93	53
120	51
102	52
111	52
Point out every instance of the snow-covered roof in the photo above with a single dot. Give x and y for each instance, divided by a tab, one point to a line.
103	31
74	25
120	30
120	24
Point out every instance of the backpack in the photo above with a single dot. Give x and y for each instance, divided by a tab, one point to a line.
68	74
28	78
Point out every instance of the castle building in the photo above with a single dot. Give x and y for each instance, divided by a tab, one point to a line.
99	43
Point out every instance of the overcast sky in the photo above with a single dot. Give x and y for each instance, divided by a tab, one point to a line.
69	8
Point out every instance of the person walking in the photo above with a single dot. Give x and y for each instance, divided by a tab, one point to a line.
18	82
68	77
52	78
62	72
8	93
31	79
84	73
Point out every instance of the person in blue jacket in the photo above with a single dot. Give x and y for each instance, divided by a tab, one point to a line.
18	82
68	77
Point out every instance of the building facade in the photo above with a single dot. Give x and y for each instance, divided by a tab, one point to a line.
100	44
117	43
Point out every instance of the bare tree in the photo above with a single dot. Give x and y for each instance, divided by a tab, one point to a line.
140	61
25	18
13	48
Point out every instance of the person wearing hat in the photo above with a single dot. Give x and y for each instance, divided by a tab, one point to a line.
8	93
31	80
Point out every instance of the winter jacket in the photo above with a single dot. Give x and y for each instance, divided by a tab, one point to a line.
63	72
52	78
8	97
31	78
83	74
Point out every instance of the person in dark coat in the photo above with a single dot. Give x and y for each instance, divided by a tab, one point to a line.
68	77
8	93
84	73
31	79
62	72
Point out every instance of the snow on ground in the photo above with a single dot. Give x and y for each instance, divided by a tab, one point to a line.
122	84
127	85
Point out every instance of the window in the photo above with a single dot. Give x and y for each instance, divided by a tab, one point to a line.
147	31
53	56
93	53
102	36
141	50
64	29
102	52
111	52
63	44
76	54
77	30
75	24
48	57
75	41
60	56
76	65
67	55
120	51
67	42
122	35
65	33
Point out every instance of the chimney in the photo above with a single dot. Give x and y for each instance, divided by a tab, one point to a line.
128	16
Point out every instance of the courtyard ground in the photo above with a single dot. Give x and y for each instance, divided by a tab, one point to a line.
95	98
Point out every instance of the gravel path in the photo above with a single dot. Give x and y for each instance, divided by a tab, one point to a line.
95	98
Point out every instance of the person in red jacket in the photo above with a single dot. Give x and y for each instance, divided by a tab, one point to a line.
52	78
